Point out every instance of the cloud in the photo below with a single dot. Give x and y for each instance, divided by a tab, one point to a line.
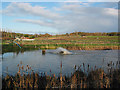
103	0
27	9
67	18
34	22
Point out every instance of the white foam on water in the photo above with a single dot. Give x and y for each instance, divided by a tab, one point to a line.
61	50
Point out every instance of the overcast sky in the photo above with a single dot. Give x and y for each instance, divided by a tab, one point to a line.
60	17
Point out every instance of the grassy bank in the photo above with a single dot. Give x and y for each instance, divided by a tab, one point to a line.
75	40
68	42
14	48
94	78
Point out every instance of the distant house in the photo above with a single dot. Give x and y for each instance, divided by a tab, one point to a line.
83	36
26	39
17	39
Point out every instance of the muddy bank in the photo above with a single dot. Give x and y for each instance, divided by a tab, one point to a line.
80	47
94	48
83	48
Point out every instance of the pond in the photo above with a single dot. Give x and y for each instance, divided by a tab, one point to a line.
52	62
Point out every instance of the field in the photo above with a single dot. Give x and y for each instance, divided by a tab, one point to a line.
70	42
76	40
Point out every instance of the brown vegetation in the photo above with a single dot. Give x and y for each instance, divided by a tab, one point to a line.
96	78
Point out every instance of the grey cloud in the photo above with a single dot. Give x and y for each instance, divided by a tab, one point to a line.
27	9
103	0
34	22
78	18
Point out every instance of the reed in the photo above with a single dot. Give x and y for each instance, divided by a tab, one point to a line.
86	78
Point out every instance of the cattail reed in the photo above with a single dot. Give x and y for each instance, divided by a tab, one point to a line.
45	73
88	68
96	78
21	62
22	67
116	64
81	84
95	67
50	71
84	67
75	67
18	65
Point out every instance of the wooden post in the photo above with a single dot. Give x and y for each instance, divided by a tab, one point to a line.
43	52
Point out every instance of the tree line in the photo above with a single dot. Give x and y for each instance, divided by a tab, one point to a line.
94	34
12	35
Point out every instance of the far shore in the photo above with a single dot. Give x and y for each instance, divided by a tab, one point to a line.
15	48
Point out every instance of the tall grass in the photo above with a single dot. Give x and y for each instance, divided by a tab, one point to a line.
94	78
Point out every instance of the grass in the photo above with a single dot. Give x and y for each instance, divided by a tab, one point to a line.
94	78
76	40
15	48
68	42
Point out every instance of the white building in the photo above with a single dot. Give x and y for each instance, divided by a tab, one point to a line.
28	39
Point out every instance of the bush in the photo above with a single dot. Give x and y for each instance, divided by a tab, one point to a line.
32	37
26	35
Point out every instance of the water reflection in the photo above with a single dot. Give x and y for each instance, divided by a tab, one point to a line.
53	62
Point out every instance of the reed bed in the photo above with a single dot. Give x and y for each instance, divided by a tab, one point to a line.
82	77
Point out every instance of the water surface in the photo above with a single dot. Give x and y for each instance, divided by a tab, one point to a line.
49	61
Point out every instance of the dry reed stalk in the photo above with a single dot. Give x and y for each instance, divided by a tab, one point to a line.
81	83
